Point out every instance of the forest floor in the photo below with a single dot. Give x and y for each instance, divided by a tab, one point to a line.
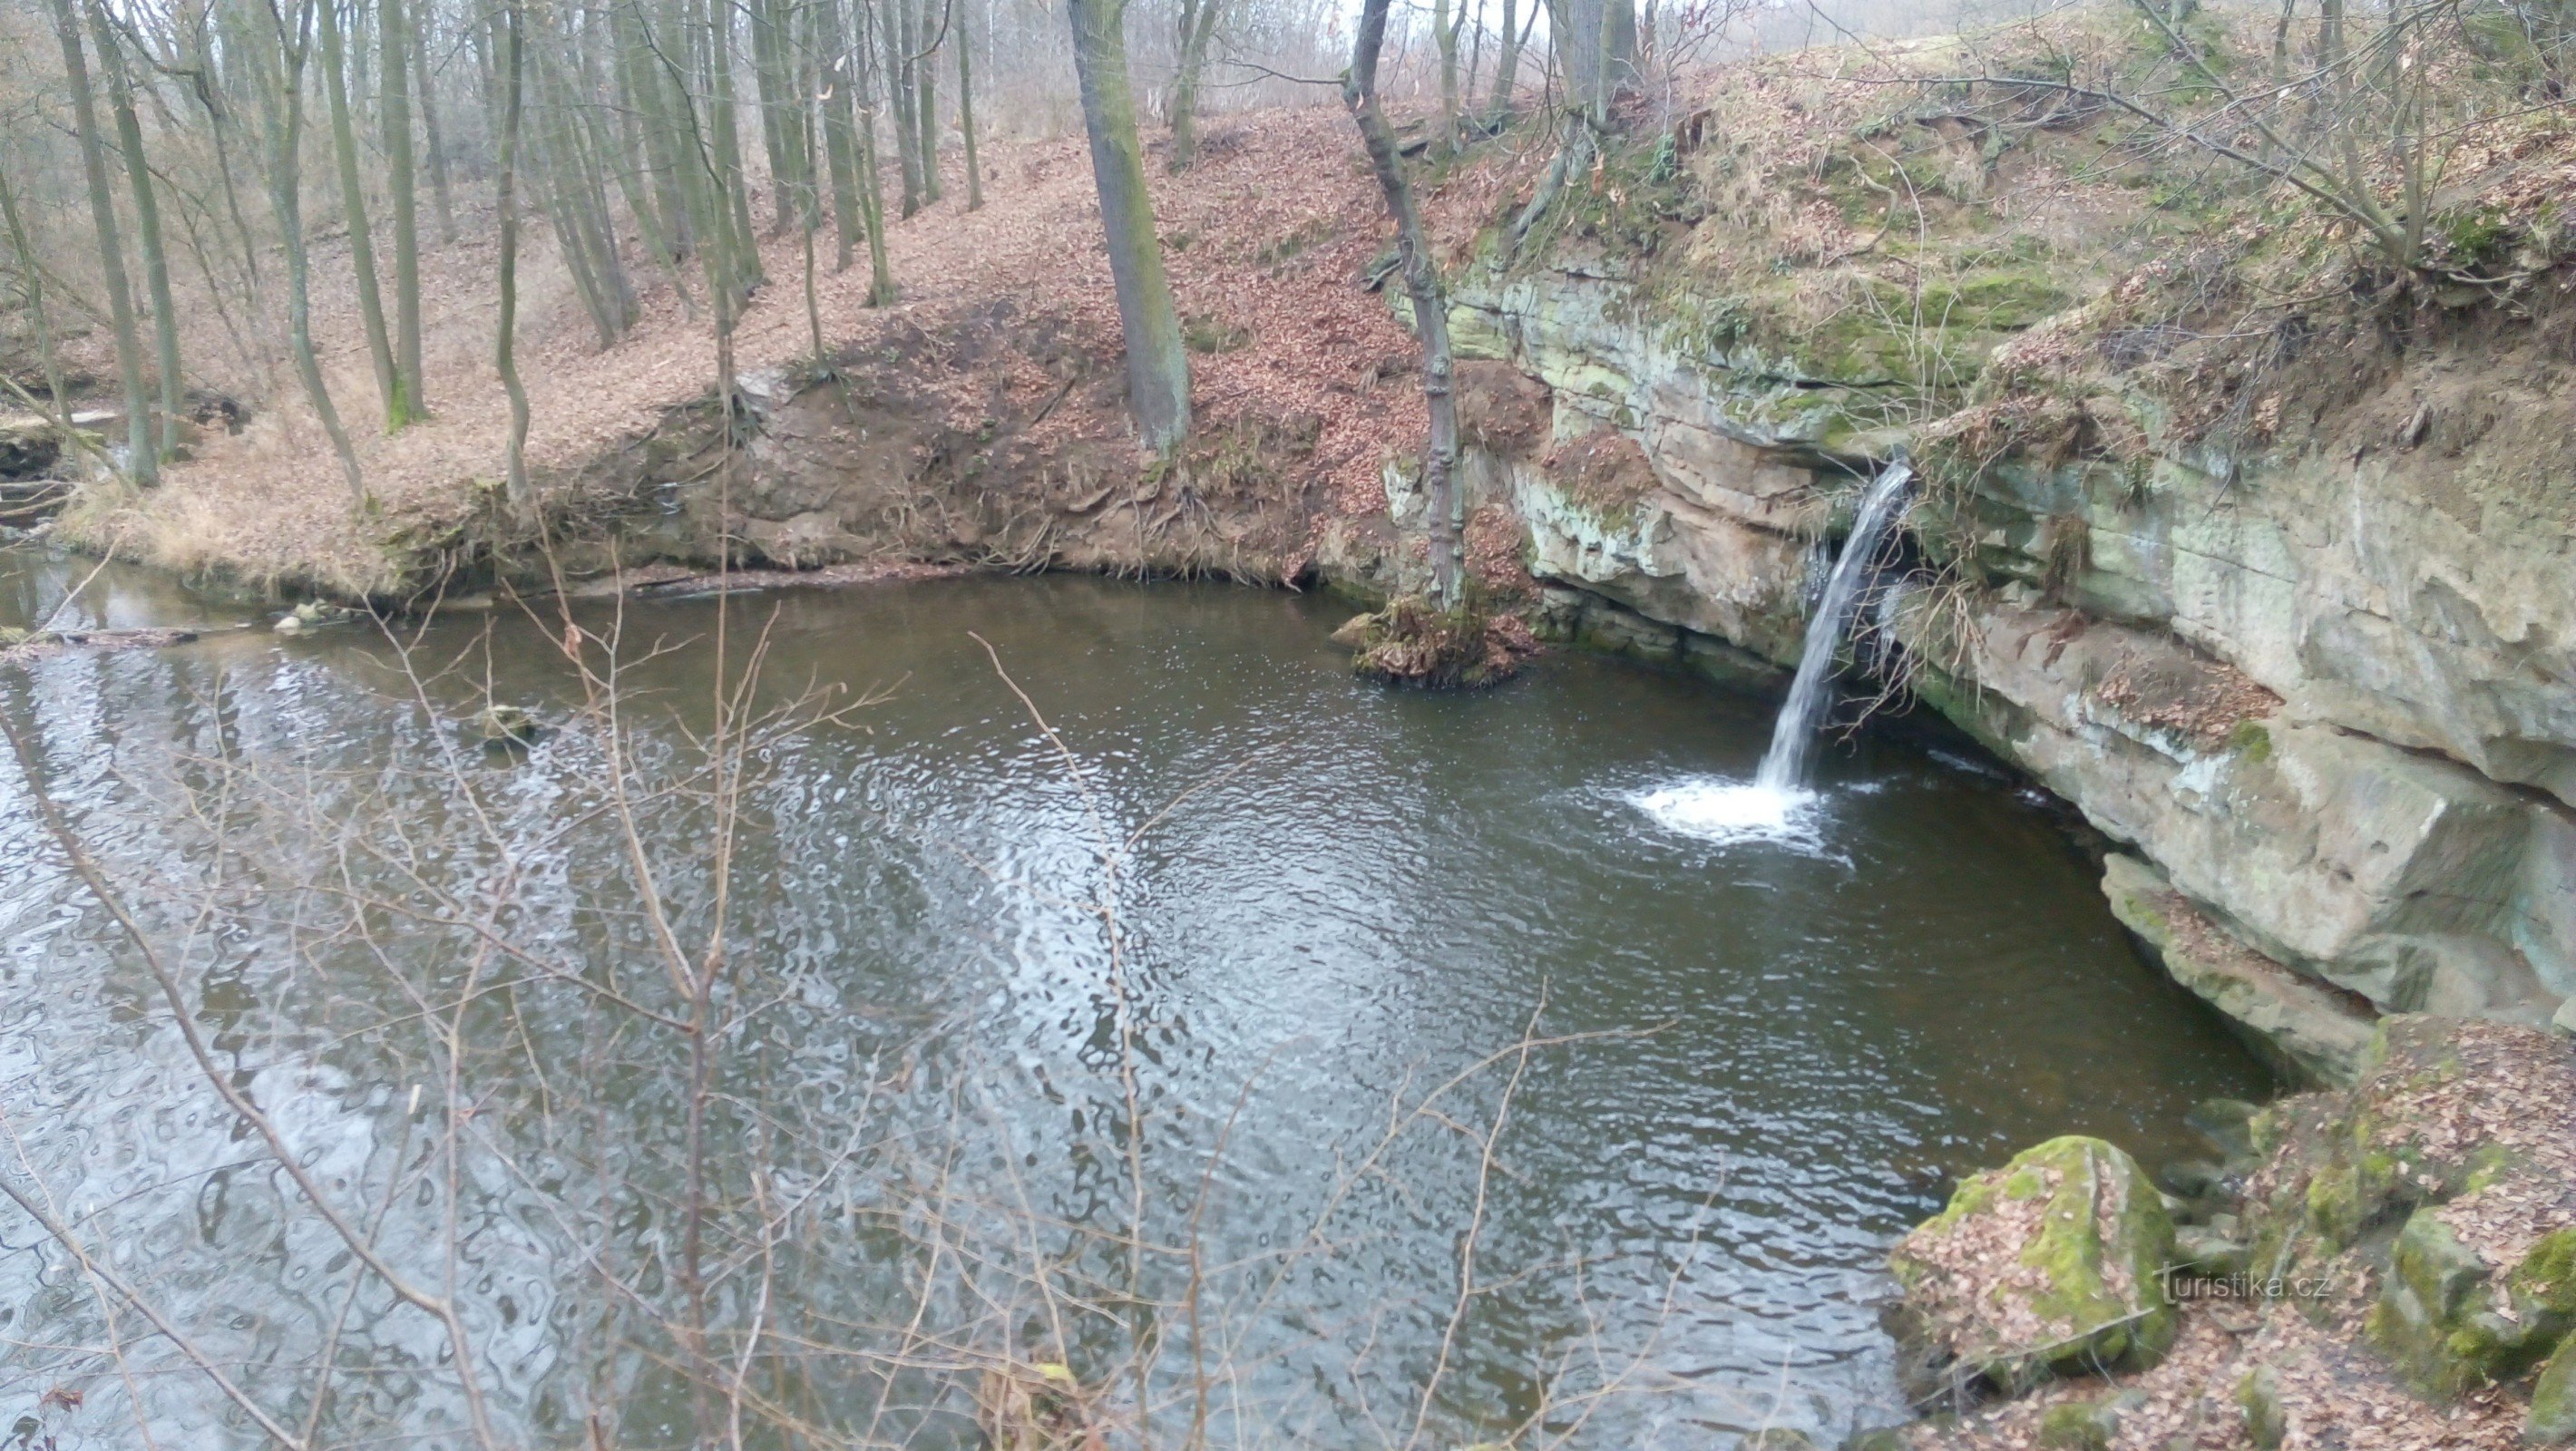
1266	238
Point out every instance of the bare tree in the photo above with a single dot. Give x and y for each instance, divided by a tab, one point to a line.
1442	500
142	454
1158	369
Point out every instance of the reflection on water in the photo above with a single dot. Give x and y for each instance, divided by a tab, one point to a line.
945	1082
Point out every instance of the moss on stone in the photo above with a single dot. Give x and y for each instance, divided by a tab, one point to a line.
2451	1323
2258	1399
2251	742
2080	1426
2099	1245
2553	1400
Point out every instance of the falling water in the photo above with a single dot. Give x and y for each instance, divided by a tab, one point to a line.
1784	766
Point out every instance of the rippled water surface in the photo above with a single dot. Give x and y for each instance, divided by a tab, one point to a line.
939	1086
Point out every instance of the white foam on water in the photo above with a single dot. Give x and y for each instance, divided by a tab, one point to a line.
1727	812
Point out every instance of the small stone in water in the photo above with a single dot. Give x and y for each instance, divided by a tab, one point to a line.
501	723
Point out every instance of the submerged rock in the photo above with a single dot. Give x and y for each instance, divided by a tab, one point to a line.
507	724
2052	1264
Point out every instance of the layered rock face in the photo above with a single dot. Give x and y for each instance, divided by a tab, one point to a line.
2323	694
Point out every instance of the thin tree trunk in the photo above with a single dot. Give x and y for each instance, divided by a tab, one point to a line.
594	153
31	275
871	188
1473	16
553	177
426	87
899	103
410	394
624	151
966	112
353	207
142	463
926	102
809	199
769	71
735	184
147	229
1507	61
204	86
1197	29
1444	39
1158	370
1430	309
647	90
284	110
504	346
839	100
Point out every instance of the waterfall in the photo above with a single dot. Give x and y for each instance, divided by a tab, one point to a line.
1784	766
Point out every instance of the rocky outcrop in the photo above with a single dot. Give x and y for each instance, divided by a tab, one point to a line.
2408	1264
2323	691
2305	1029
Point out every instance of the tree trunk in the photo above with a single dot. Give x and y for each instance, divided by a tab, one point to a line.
353	208
142	461
840	132
1507	62
734	185
871	189
426	86
624	150
648	83
1444	38
769	72
899	103
31	275
966	112
1158	370
409	391
147	229
1197	30
926	101
1441	499
504	354
284	113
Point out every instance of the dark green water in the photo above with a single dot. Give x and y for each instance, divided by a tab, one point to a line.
919	1147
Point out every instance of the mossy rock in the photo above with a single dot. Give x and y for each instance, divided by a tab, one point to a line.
2050	1265
2553	1400
2258	1398
507	725
2084	1425
2452	1321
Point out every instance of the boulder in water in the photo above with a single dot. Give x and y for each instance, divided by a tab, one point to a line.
508	724
2052	1264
